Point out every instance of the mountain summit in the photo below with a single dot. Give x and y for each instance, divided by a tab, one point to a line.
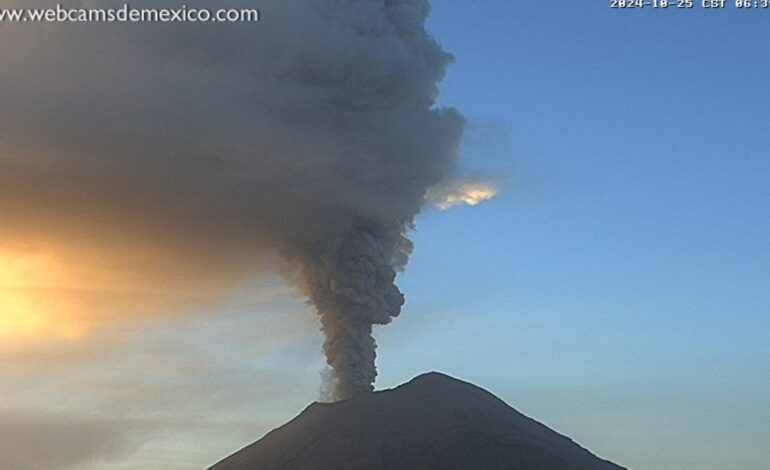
433	422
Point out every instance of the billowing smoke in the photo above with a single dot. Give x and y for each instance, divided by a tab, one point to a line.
190	151
350	281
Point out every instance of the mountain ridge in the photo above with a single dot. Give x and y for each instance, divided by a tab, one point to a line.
432	422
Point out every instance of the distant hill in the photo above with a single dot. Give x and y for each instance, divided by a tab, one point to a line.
433	422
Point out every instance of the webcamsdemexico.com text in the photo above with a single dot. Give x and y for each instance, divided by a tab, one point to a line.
128	14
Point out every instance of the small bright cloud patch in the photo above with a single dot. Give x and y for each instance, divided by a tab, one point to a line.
471	193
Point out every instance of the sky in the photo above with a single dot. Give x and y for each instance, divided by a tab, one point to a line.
615	289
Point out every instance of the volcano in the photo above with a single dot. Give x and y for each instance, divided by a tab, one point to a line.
433	422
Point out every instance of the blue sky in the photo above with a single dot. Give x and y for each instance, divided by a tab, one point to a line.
617	288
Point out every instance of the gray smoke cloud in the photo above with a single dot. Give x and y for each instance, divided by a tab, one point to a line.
211	149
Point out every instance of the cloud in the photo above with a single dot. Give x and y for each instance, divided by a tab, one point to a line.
52	441
183	390
52	292
454	193
161	167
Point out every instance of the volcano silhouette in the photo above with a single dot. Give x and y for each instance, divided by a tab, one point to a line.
433	422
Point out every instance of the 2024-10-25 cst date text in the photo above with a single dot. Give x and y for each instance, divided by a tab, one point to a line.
688	4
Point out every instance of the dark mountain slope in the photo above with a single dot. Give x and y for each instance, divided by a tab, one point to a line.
433	422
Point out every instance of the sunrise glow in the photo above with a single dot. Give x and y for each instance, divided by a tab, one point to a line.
30	308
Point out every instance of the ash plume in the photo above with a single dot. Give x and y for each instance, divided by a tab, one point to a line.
209	151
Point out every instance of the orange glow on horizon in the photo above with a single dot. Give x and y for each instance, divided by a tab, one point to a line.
29	307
